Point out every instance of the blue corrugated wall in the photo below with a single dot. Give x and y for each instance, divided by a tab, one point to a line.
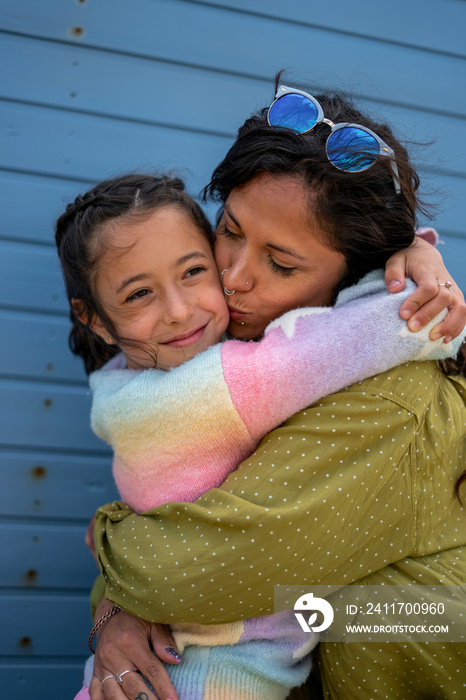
93	88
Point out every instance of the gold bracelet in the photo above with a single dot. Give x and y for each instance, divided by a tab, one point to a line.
99	623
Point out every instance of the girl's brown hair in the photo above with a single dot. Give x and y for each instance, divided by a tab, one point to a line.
80	244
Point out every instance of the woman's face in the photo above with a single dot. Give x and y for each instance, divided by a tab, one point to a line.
271	253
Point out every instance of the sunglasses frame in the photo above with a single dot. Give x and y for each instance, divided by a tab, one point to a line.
384	149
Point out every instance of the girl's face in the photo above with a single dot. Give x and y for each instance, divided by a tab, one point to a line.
159	284
272	254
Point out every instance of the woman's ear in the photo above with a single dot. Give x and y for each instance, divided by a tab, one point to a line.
94	324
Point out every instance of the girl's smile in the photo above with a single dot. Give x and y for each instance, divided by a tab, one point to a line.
186	339
158	283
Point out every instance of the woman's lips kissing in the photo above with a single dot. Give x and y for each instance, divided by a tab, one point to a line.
236	315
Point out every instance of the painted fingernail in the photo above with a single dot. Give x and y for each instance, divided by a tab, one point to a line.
414	325
405	313
173	653
393	284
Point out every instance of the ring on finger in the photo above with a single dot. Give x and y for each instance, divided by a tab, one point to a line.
106	679
119	676
448	285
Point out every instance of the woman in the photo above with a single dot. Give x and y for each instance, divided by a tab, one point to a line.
348	502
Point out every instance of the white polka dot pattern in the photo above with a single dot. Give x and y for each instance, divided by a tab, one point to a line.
359	485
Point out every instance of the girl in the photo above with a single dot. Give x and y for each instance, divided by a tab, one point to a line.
141	278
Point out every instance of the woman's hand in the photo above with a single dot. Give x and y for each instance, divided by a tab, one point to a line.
423	263
128	643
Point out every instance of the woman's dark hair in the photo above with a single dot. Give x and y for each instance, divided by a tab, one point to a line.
360	214
80	244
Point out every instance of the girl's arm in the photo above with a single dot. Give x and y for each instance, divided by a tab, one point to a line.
423	263
228	397
310	353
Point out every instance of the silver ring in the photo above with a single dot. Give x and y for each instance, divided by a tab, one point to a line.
119	676
227	291
106	679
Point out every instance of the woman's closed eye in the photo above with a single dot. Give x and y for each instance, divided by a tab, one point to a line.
224	231
280	269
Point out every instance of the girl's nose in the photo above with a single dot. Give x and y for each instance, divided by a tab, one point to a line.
178	306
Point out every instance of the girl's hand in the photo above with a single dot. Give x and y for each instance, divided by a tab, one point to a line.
423	263
126	643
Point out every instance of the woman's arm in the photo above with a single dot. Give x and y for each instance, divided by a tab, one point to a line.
424	264
310	506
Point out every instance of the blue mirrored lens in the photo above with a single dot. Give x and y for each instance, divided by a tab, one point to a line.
294	112
351	149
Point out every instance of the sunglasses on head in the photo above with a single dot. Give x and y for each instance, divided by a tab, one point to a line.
350	147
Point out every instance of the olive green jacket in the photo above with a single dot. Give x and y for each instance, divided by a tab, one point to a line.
359	487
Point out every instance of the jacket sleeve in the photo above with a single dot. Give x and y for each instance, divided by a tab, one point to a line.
326	498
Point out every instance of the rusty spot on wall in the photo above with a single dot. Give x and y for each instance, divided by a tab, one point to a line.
49	367
39	472
77	31
47	403
30	577
25	642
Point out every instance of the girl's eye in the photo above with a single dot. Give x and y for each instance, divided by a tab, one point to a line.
283	271
138	295
193	271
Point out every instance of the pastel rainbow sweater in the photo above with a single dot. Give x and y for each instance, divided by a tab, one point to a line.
177	434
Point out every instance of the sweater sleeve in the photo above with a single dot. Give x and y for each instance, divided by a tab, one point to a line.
310	353
231	395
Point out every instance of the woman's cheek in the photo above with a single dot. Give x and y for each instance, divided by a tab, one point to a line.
223	253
